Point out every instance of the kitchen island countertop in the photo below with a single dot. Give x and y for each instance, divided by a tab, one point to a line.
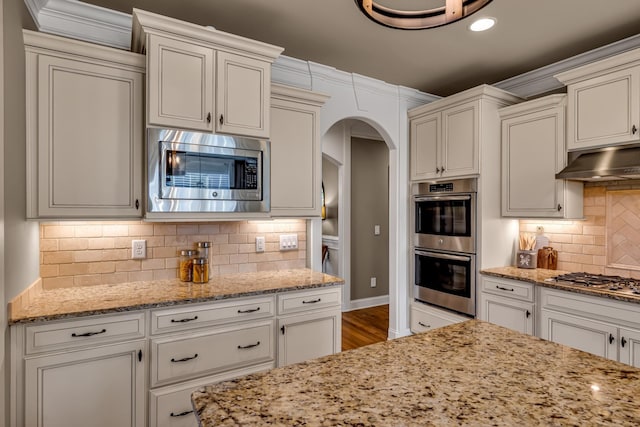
89	300
470	373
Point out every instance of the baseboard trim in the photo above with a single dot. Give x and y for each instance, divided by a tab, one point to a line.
367	302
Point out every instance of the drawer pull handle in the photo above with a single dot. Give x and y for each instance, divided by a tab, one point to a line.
186	359
623	342
242	347
313	301
611	339
251	310
181	414
424	325
88	334
504	289
188	319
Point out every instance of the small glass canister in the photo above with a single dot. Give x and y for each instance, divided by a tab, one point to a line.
185	269
200	270
203	249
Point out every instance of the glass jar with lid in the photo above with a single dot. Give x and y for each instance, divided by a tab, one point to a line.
185	268
203	249
200	270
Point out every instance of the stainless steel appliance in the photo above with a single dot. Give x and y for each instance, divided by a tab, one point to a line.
444	244
617	284
445	215
199	172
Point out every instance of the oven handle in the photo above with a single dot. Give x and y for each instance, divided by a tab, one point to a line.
443	198
443	256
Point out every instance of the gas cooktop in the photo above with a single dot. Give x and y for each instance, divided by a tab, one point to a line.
598	281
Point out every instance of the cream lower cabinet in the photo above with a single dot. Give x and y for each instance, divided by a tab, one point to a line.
508	303
446	136
426	317
601	326
533	151
309	325
296	152
203	79
85	129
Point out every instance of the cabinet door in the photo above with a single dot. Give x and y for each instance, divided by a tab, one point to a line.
87	161
630	346
510	313
425	139
243	90
532	153
578	332
604	110
180	89
101	387
460	140
308	336
296	159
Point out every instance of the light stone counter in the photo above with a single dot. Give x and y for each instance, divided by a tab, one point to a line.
472	373
90	300
538	276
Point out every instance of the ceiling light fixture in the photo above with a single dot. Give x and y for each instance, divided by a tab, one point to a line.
451	11
482	24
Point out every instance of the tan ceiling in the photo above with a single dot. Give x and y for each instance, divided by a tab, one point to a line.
444	60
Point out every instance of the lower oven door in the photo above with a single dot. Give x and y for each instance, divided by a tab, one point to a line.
446	279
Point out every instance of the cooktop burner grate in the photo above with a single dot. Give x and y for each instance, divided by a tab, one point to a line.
597	280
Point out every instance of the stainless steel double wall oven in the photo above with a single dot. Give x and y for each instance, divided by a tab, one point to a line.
444	244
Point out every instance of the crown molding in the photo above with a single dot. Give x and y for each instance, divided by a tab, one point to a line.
75	19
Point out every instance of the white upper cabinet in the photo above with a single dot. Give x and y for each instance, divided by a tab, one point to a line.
604	102
203	79
85	129
295	152
533	151
446	135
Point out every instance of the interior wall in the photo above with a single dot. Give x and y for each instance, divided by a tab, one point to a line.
369	208
331	194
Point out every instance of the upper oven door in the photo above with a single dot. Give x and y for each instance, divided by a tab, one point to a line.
445	222
192	171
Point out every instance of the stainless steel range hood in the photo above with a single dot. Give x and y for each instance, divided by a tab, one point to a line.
605	164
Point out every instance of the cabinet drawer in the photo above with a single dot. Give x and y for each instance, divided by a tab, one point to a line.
509	288
82	332
171	406
308	300
190	355
424	318
176	319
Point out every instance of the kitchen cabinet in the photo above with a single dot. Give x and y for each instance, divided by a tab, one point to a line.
296	151
508	303
424	317
533	151
203	79
446	136
85	129
601	326
309	325
604	102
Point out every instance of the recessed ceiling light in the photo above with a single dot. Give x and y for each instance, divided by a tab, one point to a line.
482	24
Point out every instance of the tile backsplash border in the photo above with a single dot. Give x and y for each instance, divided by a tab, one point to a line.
582	244
96	253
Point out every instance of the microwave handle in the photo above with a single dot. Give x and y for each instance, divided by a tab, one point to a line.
445	198
443	256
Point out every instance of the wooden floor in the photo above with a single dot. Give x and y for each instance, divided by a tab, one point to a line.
365	326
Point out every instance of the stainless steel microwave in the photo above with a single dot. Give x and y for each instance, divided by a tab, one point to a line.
200	172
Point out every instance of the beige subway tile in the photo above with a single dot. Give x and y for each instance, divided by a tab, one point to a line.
88	231
582	259
140	230
239	259
594	230
228	249
569	266
115	278
599	260
164	274
266	266
77	244
238	238
289	255
572	248
560	238
229	228
51	270
115	230
595	191
208	229
87	280
74	269
247	248
228	269
219	239
220	259
164	252
49	283
102	267
123	242
115	254
594	211
593	269
600	201
129	265
153	264
171	262
214	270
186	229
247	268
59	257
593	250
102	243
140	276
58	231
599	240
164	229
194	238
582	239
177	241
153	242
49	245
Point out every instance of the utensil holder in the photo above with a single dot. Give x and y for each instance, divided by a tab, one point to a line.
526	259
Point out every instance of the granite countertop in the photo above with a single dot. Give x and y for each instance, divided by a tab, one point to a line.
90	300
470	373
538	276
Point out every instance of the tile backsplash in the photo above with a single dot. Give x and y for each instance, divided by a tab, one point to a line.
607	241
95	253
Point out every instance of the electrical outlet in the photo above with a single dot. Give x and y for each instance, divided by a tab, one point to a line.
288	242
376	230
259	244
373	282
138	249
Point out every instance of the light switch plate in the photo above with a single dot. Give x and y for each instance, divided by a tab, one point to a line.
260	244
288	242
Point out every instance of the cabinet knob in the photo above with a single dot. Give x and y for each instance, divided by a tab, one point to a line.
208	117
623	342
634	129
437	170
137	204
221	119
528	314
611	339
559	207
